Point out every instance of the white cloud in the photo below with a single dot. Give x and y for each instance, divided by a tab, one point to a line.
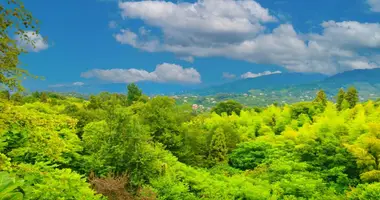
375	5
131	38
253	75
349	34
34	42
203	21
360	64
144	31
78	83
189	59
235	29
163	73
75	84
228	75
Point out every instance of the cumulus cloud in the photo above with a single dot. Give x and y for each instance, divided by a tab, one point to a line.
375	5
349	35
165	72
203	21
34	42
75	84
253	75
128	37
227	75
235	29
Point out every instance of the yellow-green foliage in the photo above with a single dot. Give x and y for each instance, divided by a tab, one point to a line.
308	150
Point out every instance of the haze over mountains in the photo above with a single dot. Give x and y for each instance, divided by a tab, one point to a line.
366	80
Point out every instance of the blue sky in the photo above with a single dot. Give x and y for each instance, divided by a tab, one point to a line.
169	46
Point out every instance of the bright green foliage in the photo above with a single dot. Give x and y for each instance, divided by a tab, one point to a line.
340	99
164	120
45	183
134	93
9	187
365	192
32	135
352	97
228	107
121	144
307	150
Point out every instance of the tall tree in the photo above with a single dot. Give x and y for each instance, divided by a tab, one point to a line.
321	98
218	147
44	97
339	99
134	93
352	96
14	20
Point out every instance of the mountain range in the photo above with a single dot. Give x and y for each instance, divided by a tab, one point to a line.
367	81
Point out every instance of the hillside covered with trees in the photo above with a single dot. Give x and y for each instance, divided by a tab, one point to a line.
131	147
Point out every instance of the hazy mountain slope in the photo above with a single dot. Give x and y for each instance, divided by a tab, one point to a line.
275	81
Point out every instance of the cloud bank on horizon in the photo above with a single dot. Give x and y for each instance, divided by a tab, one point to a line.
240	30
164	73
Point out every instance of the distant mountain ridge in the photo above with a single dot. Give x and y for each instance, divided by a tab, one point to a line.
367	81
274	81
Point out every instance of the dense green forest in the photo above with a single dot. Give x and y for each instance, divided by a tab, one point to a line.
131	146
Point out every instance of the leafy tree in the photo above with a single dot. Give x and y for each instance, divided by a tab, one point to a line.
44	97
134	93
249	155
121	144
340	98
352	96
14	20
228	107
321	98
218	147
164	119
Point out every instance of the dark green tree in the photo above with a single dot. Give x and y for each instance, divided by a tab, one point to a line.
352	97
134	93
321	98
5	95
218	147
16	97
228	107
339	99
44	97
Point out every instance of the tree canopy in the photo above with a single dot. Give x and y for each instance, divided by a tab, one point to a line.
15	22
